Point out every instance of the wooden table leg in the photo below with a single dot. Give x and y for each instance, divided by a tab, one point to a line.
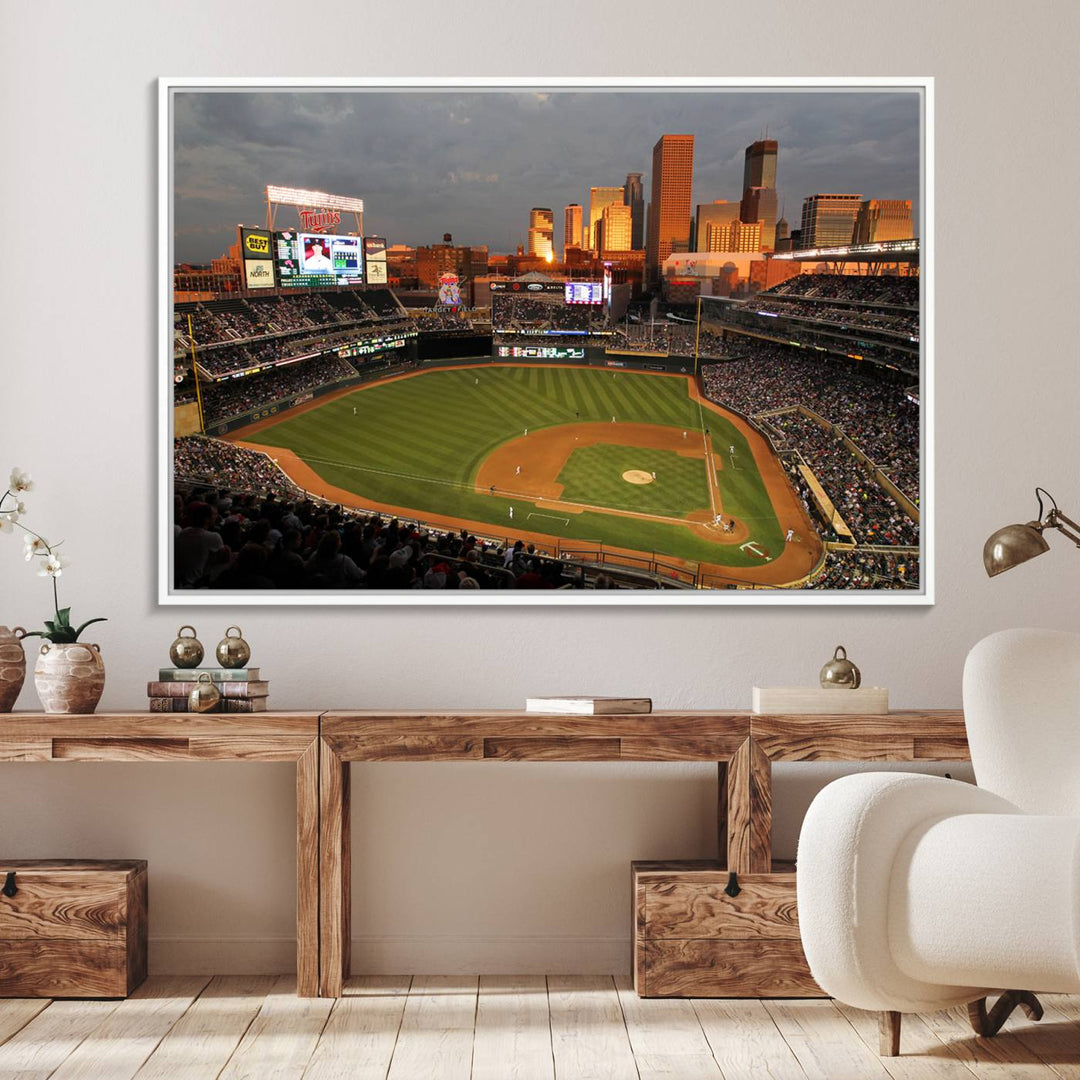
749	810
334	872
307	872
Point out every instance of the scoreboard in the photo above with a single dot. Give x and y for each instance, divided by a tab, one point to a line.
313	259
584	292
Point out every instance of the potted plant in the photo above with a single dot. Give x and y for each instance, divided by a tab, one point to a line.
69	674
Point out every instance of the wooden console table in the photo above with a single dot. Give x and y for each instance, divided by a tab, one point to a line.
743	746
269	736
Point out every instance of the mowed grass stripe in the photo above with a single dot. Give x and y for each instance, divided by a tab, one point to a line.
599	406
576	397
639	402
417	443
523	404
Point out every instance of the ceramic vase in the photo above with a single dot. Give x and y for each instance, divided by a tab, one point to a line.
69	678
12	666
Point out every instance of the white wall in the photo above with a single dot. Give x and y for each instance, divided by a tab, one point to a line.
497	867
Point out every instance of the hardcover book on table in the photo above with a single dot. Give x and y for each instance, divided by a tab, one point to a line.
588	706
176	674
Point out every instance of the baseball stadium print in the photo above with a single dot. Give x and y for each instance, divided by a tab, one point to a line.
654	341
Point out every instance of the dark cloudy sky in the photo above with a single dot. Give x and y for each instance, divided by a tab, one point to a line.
473	163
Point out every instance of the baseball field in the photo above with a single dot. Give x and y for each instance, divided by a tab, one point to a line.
574	455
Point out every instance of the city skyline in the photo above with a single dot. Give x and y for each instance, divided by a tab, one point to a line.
473	163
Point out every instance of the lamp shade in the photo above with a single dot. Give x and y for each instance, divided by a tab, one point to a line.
1012	545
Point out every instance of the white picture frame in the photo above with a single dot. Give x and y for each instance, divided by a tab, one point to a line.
168	595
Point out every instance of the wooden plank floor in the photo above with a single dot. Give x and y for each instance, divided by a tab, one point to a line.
524	1027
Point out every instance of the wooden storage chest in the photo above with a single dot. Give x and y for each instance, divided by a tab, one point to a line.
71	928
692	939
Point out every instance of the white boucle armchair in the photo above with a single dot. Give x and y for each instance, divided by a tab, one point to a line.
917	893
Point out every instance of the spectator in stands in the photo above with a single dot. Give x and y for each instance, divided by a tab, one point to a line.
328	568
197	548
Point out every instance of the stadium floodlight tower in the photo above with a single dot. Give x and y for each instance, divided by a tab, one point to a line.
318	210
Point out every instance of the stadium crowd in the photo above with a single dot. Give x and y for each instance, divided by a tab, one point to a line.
236	319
860	569
222	400
904	324
877	289
877	416
241	524
536	314
869	511
667	337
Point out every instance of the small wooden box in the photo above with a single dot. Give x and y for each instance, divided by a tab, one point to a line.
691	939
72	928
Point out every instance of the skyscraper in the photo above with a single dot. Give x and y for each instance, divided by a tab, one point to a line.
759	165
616	225
738	236
571	227
669	207
599	197
783	235
542	232
883	219
634	197
759	189
759	204
828	219
718	212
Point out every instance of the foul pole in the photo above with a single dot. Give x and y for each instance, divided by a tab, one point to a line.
697	335
195	372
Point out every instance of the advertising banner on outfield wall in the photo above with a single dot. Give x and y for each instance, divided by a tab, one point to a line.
259	273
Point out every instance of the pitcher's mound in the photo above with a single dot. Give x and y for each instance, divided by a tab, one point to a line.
636	476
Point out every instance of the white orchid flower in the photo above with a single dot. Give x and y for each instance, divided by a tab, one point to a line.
34	545
53	566
20	481
20	507
7	521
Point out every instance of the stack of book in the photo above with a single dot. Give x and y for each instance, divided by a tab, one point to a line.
241	689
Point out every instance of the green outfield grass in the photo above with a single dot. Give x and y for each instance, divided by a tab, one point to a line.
419	442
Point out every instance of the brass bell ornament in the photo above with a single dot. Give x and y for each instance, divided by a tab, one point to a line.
186	651
204	695
840	673
233	652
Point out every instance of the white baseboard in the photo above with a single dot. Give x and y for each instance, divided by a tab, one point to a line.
430	954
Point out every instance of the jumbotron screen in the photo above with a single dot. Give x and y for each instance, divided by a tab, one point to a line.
584	292
313	259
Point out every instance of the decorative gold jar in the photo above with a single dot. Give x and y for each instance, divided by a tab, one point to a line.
233	652
186	651
840	673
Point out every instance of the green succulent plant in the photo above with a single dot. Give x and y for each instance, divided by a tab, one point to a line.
60	631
